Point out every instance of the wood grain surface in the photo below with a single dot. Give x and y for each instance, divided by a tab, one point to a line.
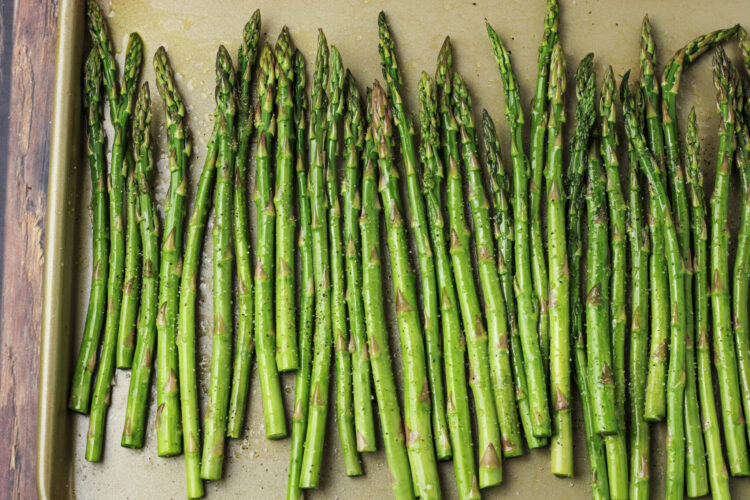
27	52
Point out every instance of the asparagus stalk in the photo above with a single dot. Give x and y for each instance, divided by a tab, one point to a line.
344	394
528	312
186	339
494	304
244	341
539	118
168	428
148	222
656	382
725	358
287	355
743	42
354	135
419	442
741	278
377	333
121	105
594	440
96	139
676	376
617	443
126	337
103	386
488	430
697	483
419	229
598	345
223	264
561	448
306	299
318	405
585	80
265	334
503	228
640	442
717	469
457	397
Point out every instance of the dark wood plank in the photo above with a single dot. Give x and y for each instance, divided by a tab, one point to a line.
23	188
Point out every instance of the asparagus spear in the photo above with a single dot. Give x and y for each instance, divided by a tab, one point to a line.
418	224
616	444
640	442
223	264
126	337
377	333
265	346
741	278
457	409
186	348
504	235
697	484
539	118
528	312
244	340
148	221
743	42
287	355
168	428
561	448
344	395
594	440
717	469
656	388
350	190
121	103
725	358
494	304
585	80
598	340
488	438
306	299
103	386
676	376
318	406
419	442
96	140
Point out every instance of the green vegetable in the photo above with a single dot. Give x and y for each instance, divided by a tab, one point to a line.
676	376
223	266
306	298
168	424
494	304
265	333
354	135
416	389
377	332
318	406
103	386
528	312
717	468
488	429
420	230
92	101
244	342
287	355
457	397
561	448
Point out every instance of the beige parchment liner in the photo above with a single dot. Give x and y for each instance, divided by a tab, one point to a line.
192	31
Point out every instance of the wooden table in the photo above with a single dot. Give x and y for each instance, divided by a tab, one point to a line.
27	53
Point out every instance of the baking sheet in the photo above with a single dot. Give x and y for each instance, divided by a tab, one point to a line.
191	30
